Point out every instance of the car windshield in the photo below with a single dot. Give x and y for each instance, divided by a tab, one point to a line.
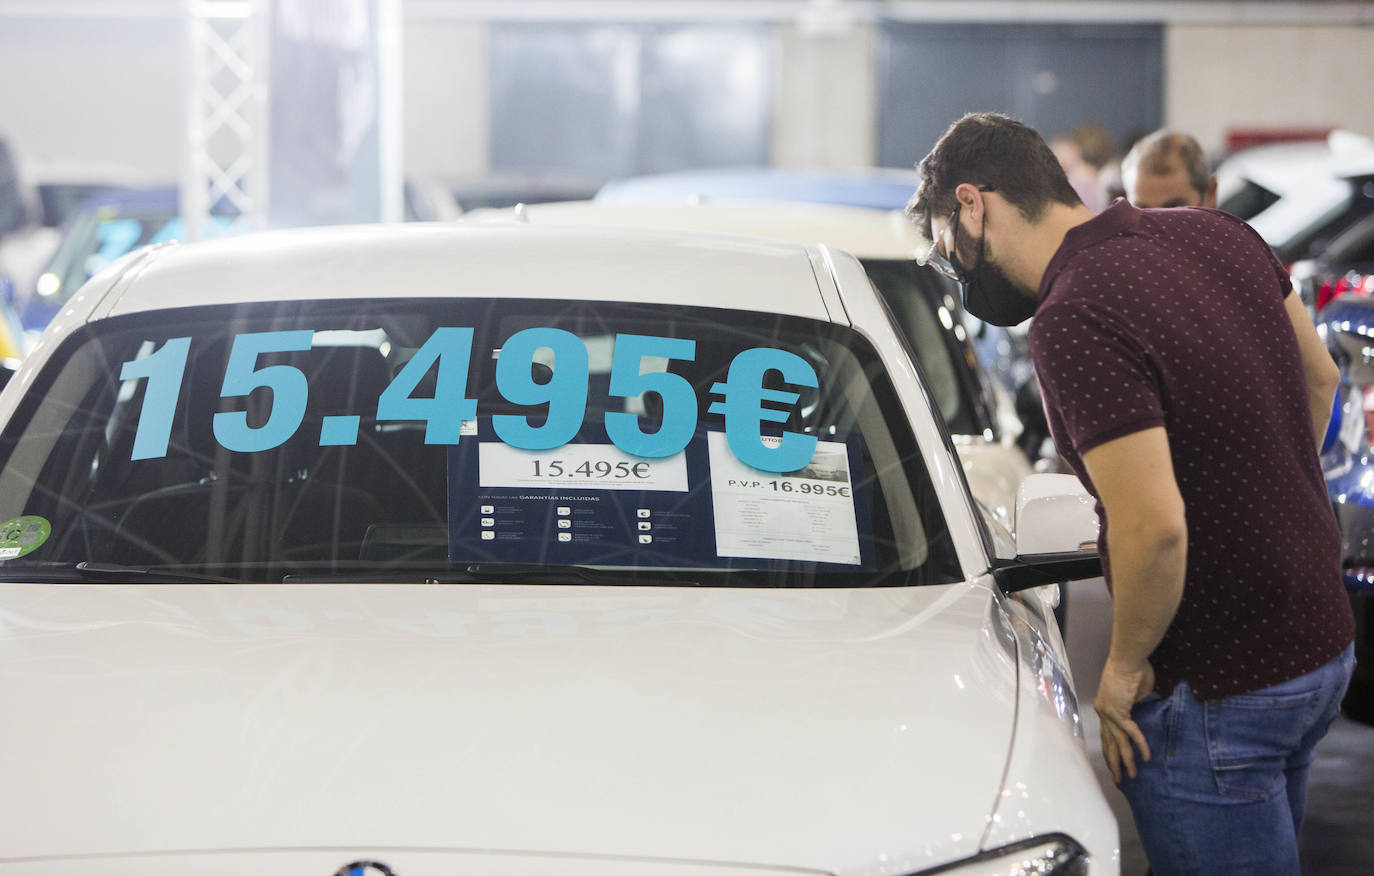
474	439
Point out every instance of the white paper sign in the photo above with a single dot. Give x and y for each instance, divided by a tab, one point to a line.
806	515
579	467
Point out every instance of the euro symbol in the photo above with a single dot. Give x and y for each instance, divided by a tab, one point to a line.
744	411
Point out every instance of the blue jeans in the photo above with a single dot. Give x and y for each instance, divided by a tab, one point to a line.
1226	786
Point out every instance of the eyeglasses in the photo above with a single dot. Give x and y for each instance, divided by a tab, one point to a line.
934	259
945	265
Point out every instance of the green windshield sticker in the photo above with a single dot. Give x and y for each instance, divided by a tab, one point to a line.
22	535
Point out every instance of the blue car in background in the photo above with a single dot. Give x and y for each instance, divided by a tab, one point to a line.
880	188
1348	466
104	227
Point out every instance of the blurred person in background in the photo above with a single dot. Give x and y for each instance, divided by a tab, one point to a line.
1111	174
1083	152
1168	169
1231	641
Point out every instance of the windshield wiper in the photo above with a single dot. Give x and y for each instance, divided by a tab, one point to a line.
131	574
492	573
515	573
476	573
404	576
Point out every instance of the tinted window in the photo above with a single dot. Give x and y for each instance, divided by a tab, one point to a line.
1248	201
927	314
1356	244
1359	205
335	469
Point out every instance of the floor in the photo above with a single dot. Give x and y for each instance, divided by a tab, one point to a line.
1338	836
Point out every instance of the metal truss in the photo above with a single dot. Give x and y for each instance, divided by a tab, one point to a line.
225	172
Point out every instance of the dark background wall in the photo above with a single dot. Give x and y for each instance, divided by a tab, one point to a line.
1051	76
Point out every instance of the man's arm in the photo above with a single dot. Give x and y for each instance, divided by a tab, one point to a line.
1320	371
1147	540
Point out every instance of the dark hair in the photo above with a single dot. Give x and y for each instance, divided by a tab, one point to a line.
990	149
1156	153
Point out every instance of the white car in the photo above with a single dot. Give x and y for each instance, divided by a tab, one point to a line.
977	409
1300	196
433	549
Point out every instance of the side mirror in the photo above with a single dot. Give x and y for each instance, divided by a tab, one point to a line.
1056	534
1054	515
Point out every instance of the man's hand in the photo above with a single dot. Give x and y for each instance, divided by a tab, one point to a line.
1147	540
1122	687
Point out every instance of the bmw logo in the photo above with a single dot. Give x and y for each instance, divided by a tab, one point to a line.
365	868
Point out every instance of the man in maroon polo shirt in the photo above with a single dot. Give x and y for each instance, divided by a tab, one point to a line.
1186	387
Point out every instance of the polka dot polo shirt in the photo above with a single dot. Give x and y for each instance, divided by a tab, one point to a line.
1176	318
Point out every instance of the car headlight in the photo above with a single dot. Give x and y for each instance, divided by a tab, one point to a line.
1041	856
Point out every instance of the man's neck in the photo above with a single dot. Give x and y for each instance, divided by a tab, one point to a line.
1042	240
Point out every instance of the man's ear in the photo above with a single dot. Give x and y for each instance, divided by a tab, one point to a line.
1209	197
970	201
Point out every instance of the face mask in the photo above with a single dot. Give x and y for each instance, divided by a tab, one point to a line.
991	297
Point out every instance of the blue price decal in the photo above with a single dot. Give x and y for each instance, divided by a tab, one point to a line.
565	393
448	354
242	375
744	411
679	399
443	414
163	371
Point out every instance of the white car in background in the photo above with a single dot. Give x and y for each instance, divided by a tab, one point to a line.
518	550
977	409
1300	196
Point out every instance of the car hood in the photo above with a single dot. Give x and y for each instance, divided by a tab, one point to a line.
843	730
